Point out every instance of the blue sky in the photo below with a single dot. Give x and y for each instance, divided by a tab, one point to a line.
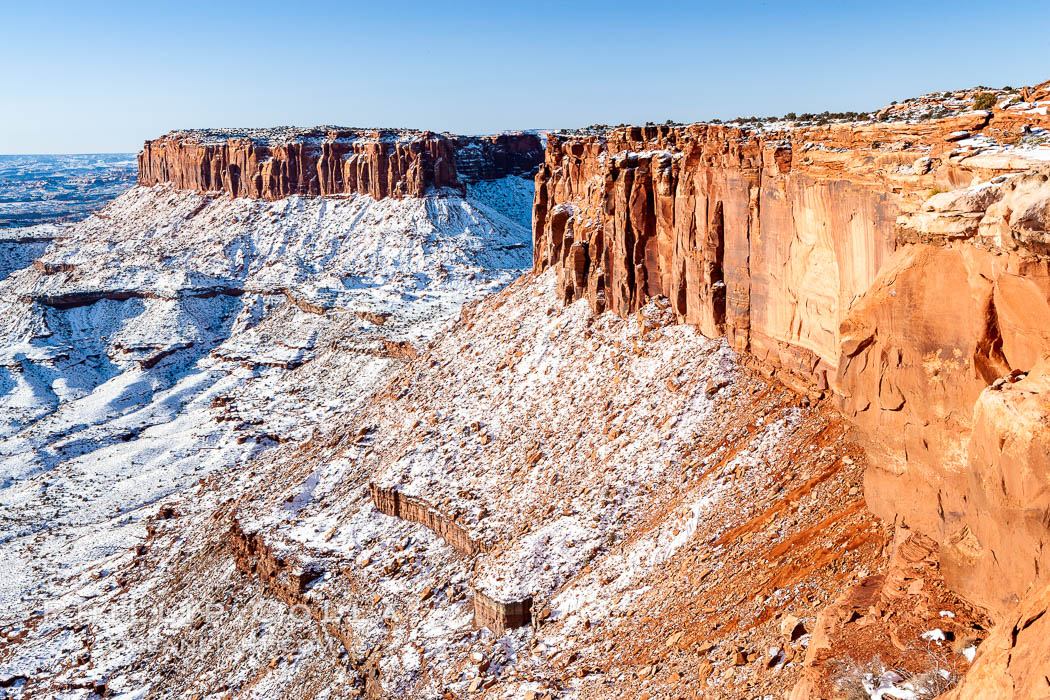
104	76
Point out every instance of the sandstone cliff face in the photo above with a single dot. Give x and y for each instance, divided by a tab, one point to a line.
767	237
931	356
1015	660
901	268
275	163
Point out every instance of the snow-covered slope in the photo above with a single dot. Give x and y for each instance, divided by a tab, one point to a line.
297	449
623	473
172	336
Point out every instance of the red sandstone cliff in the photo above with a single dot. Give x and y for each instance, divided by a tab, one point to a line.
276	163
901	267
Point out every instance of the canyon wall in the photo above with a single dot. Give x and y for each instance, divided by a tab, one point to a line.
766	237
899	268
275	163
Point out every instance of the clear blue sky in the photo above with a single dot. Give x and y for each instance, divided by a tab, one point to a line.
104	76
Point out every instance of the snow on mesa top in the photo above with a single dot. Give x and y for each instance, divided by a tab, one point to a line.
283	135
331	161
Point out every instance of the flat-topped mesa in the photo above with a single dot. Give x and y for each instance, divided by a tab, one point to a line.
275	163
901	266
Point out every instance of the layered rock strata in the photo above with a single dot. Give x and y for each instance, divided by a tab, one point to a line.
497	615
288	581
392	502
500	616
899	267
275	163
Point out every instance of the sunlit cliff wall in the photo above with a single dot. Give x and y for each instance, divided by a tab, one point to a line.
900	269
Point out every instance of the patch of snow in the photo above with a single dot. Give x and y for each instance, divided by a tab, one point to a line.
935	635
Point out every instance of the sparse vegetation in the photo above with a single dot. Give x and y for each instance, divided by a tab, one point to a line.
820	118
985	100
928	684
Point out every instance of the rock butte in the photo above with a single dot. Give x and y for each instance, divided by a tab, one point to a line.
275	163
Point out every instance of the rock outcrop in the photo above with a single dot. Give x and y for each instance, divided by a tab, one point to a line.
289	581
392	502
883	617
497	615
1014	662
901	268
500	616
275	163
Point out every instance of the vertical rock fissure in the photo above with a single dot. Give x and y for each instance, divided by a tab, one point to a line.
716	257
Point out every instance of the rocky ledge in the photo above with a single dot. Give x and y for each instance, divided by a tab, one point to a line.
322	161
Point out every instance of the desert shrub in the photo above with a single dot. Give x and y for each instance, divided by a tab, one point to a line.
985	100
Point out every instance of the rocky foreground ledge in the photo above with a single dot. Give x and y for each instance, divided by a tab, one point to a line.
327	160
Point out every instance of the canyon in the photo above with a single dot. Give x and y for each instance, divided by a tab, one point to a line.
42	189
767	418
